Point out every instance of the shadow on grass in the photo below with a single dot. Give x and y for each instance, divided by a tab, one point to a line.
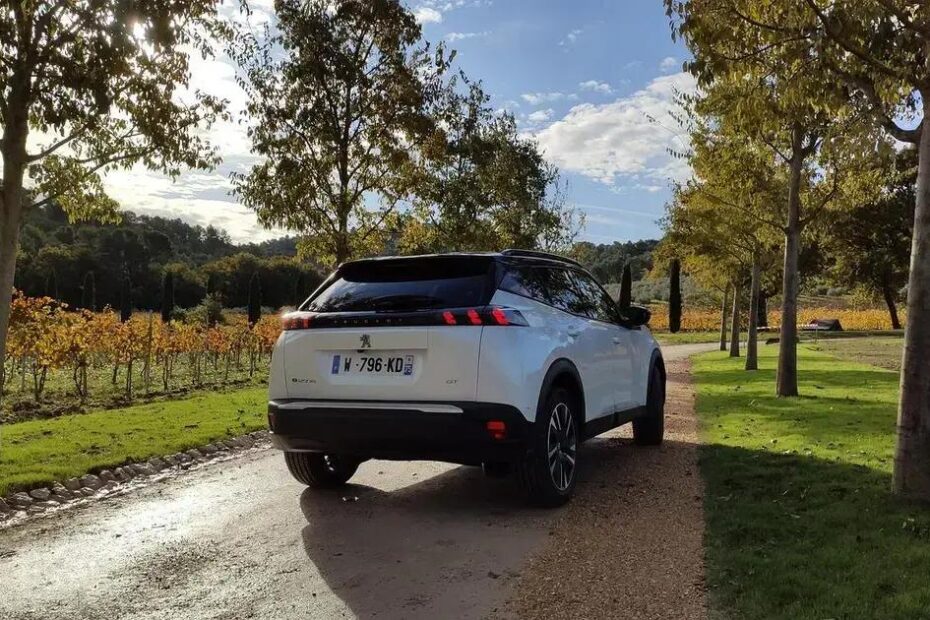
799	537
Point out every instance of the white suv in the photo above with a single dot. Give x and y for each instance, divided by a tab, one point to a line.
505	360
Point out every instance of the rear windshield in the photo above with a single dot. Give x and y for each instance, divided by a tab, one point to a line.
406	285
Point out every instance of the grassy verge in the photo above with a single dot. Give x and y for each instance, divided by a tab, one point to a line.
884	351
40	451
800	520
686	337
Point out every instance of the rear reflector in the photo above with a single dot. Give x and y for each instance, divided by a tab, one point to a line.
497	429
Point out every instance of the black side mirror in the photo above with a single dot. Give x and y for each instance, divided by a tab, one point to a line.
638	315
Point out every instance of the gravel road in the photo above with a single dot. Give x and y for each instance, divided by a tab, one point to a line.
240	539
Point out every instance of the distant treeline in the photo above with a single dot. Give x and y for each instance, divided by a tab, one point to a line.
85	264
606	261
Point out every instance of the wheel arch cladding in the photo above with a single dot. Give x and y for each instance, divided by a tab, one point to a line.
658	363
564	374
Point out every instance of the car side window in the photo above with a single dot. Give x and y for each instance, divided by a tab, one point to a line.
550	285
598	304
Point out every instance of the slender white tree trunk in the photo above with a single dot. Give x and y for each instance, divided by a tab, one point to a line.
734	323
787	378
752	343
912	452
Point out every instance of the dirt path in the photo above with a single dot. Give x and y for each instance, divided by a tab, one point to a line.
630	543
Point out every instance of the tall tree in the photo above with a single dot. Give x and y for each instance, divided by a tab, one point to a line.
167	297
89	292
255	300
764	81
626	286
88	86
674	296
877	50
125	298
869	242
734	322
337	96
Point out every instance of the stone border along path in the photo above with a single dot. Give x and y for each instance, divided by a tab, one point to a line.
630	544
16	507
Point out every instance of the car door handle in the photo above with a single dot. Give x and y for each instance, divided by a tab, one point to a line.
617	340
573	332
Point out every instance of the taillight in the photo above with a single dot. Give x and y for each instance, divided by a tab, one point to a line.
294	321
491	315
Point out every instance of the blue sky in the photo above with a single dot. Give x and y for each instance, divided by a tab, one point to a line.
582	77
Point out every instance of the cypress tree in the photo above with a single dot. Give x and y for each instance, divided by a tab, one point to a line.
255	300
167	297
51	284
89	292
674	297
125	298
626	287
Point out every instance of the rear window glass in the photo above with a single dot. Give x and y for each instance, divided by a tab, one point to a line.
550	285
407	285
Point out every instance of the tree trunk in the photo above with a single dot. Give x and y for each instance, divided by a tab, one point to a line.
11	211
912	452
787	378
763	314
723	318
888	294
752	344
734	324
674	296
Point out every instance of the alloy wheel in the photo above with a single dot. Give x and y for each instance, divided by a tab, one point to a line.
561	443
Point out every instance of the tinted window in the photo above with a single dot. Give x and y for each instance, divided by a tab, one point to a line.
550	285
598	304
405	285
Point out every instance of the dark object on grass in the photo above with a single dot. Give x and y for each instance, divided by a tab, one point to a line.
674	296
823	325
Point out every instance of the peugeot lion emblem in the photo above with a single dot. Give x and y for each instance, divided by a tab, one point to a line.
366	341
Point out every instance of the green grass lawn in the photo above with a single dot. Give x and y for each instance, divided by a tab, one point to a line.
882	351
37	452
686	337
800	520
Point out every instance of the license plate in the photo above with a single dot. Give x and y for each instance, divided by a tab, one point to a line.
388	364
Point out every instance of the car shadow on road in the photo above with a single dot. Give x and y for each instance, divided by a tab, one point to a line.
451	545
443	547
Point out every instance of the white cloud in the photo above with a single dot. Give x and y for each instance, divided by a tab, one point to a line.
597	87
540	116
427	15
669	64
571	37
537	98
623	141
459	36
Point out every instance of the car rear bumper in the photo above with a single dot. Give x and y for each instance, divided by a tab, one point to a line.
453	432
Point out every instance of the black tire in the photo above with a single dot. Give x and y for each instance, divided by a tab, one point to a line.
322	471
649	429
549	472
497	469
